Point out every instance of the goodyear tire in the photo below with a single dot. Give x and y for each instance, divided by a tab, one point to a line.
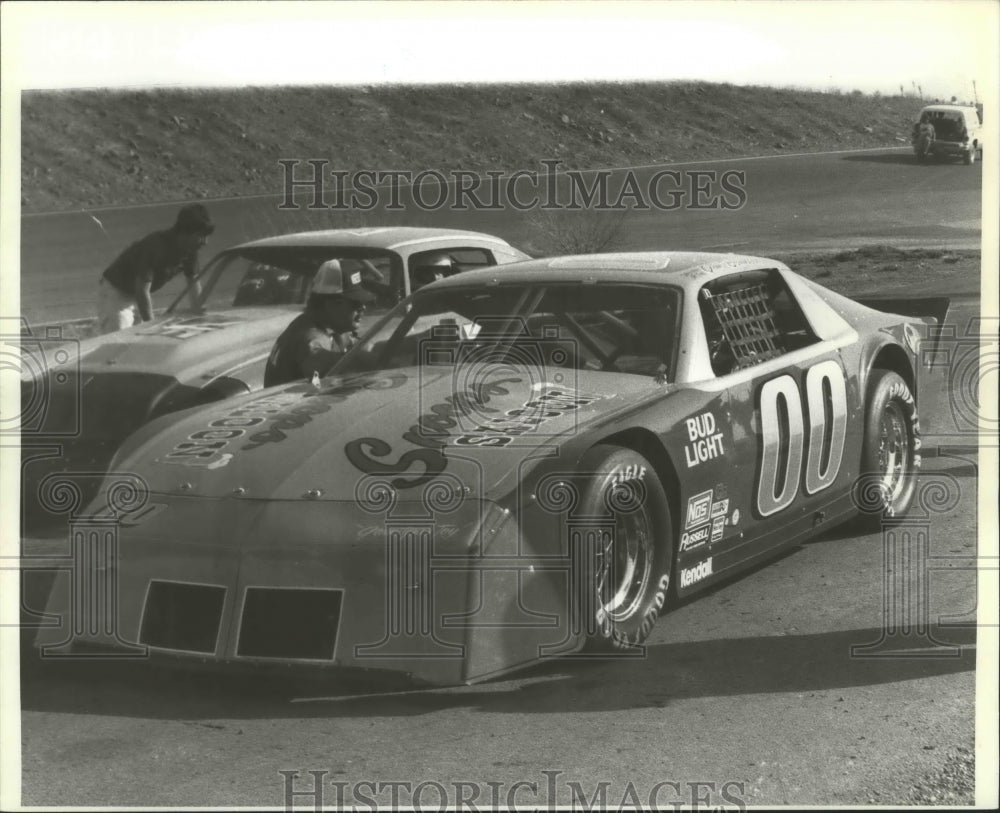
623	554
890	456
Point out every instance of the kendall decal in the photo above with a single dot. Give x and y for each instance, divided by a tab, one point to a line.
693	575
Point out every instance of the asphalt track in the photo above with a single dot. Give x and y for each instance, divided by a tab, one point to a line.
755	683
831	200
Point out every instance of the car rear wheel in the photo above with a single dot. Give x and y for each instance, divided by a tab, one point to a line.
623	552
891	452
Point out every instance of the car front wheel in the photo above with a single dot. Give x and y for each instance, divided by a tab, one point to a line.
623	551
891	452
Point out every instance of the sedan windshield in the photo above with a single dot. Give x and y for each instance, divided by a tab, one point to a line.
615	328
263	276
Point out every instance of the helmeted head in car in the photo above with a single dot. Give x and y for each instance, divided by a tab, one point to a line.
430	268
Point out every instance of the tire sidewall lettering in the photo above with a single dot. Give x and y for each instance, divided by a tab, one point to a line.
628	633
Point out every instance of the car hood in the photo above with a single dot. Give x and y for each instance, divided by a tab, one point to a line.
407	427
188	348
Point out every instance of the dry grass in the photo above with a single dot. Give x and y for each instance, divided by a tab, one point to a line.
89	148
889	270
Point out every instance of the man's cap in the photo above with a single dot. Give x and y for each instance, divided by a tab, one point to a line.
331	279
194	218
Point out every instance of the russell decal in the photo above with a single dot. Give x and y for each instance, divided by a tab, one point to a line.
693	539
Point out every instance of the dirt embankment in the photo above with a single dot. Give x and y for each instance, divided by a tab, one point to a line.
93	148
888	270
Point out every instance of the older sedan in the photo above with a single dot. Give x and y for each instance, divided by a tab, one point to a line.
81	400
509	466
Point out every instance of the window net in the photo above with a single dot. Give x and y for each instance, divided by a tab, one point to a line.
746	319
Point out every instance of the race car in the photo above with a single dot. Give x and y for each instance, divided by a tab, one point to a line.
512	465
80	400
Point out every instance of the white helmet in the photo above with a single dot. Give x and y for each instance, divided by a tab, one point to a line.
437	260
332	279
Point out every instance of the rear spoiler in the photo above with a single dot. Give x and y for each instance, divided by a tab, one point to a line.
935	307
924	308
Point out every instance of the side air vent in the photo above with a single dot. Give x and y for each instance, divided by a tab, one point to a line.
183	617
289	623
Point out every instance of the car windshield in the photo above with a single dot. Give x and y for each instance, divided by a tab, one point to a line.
260	277
615	328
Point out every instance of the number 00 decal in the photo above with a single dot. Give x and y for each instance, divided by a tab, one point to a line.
782	435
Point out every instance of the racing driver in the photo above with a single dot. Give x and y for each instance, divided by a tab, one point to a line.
324	331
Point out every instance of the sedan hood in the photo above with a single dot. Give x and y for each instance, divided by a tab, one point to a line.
406	427
187	348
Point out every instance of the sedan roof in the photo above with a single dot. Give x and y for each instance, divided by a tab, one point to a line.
392	237
948	108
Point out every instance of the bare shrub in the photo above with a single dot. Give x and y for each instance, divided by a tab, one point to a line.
586	231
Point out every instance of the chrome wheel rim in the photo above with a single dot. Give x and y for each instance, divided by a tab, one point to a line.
625	566
893	450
